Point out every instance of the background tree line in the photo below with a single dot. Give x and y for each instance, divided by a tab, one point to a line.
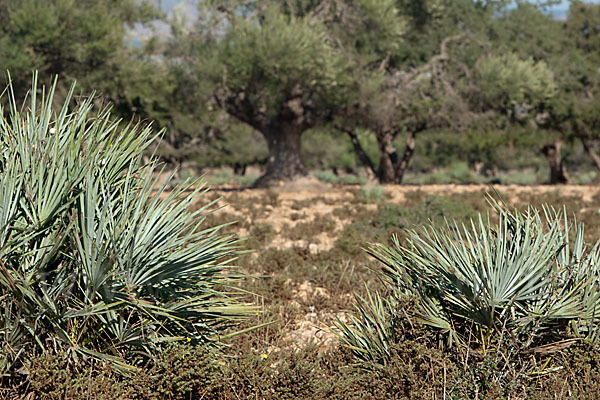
374	85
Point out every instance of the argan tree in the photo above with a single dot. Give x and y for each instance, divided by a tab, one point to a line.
422	83
568	48
582	29
407	103
519	89
452	87
391	97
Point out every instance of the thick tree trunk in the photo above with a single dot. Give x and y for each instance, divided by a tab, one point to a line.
590	150
387	158
558	171
284	162
411	141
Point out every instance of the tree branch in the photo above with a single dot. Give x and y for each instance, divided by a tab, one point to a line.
409	150
588	148
442	56
360	152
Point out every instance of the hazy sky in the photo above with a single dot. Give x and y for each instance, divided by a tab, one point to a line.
565	3
168	5
189	7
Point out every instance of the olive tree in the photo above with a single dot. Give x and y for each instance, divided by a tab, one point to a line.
282	75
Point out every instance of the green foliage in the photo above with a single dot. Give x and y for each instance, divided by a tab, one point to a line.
507	80
524	278
528	31
457	172
582	27
99	260
329	177
376	29
418	369
83	40
256	58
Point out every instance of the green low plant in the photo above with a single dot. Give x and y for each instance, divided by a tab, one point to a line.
418	370
97	259
371	194
524	282
457	172
329	177
220	178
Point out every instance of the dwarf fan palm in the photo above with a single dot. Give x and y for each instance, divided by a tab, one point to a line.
523	276
96	258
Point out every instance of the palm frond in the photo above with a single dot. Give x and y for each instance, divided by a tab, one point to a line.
524	274
94	259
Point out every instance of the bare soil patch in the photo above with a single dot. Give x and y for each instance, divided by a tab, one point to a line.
307	278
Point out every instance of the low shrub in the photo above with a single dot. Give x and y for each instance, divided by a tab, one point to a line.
329	177
371	194
308	230
326	177
392	219
526	285
418	368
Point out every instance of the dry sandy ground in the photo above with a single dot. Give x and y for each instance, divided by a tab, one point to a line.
309	189
319	200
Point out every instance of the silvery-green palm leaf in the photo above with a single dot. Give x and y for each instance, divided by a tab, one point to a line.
97	258
523	274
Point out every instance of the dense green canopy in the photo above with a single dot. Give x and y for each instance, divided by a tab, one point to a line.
242	82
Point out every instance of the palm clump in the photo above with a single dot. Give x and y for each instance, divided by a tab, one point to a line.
97	260
525	284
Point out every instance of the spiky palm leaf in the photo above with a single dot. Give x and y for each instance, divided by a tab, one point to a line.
94	260
523	275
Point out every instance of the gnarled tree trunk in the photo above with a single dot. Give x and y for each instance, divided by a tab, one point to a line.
284	162
390	170
558	171
282	131
411	141
388	157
